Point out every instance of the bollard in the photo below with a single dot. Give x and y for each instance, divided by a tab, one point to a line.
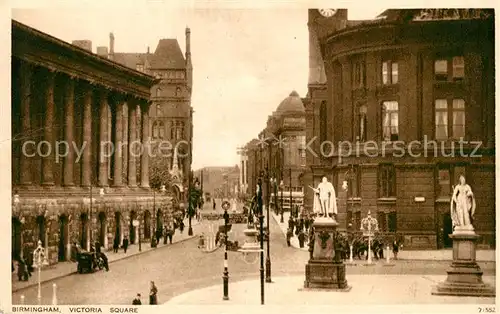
22	299
54	294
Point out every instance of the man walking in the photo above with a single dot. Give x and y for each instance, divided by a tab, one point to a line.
125	244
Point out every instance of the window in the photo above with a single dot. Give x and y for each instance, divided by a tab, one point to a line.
387	181
382	221
390	121
362	123
392	221
357	220
449	69
155	130
390	72
322	121
161	131
445	127
158	92
458	71
441	70
139	67
441	119
353	182
178	91
159	112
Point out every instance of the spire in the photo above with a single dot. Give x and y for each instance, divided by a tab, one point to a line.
189	65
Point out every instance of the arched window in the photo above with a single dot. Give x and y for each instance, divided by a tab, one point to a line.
159	112
362	123
155	129
158	92
161	130
178	91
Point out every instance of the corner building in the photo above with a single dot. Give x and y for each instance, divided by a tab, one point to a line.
408	75
61	92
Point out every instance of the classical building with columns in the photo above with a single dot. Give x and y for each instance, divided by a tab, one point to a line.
80	141
170	113
410	94
278	154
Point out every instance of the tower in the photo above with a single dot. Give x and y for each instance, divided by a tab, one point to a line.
189	65
111	46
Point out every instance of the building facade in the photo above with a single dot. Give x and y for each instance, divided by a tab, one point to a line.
72	180
278	156
407	102
171	113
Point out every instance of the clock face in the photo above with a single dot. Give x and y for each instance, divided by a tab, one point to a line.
327	12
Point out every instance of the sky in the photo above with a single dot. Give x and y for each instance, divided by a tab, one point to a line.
245	61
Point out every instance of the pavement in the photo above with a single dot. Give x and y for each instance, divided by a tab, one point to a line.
63	269
429	255
365	290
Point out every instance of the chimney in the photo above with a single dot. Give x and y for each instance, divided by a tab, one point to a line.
189	65
102	51
84	44
111	46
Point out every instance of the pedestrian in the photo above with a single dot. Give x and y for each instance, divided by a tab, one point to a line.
181	226
170	233
116	244
153	291
214	204
291	223
301	237
100	254
201	241
158	234
289	235
395	249
125	244
137	300
22	270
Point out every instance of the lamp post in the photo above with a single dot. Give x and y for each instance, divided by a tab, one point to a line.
348	175
368	226
282	185
225	275
190	208
261	223
39	260
290	187
273	181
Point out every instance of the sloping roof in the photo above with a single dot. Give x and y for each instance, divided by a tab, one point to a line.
130	59
168	55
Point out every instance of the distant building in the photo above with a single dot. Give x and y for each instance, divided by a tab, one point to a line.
220	182
278	156
407	75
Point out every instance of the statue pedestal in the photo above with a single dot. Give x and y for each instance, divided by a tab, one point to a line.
325	270
464	275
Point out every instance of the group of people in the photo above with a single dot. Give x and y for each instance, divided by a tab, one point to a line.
153	298
301	225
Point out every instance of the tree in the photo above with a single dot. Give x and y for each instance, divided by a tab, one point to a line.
159	173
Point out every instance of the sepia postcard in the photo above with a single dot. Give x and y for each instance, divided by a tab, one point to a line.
306	156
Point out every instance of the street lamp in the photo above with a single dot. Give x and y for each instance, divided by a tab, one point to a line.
290	187
261	223
225	275
273	182
282	186
368	226
39	260
348	176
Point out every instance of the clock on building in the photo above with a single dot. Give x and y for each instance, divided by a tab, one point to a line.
327	12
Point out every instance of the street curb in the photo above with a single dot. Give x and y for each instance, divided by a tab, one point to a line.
110	262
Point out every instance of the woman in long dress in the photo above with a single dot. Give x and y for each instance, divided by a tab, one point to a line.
463	204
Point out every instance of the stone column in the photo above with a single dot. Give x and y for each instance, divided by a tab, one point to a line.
103	139
132	129
48	134
87	137
117	174
26	73
69	121
145	143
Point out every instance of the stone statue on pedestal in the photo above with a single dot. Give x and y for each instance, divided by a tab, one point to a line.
325	200
462	206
